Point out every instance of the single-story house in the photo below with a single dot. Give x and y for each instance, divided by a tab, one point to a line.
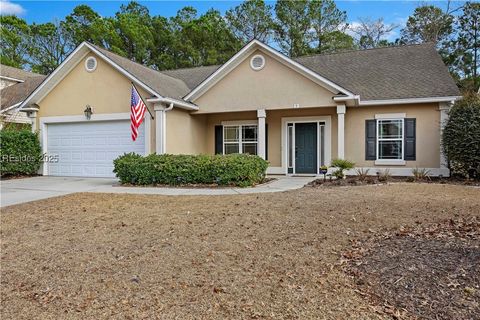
15	85
380	108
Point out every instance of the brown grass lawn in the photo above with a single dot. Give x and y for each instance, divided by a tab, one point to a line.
273	256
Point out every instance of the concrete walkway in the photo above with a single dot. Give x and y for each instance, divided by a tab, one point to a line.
17	191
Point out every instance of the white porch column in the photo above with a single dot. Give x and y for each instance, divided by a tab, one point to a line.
261	114
341	109
444	108
160	129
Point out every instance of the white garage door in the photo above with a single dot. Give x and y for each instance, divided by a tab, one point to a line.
87	149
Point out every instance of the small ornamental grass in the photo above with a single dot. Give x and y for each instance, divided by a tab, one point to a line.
420	174
235	169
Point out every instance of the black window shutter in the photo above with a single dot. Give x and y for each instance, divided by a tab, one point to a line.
218	139
266	141
410	137
370	139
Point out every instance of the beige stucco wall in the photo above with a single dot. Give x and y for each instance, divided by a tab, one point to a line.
427	135
105	89
186	134
276	86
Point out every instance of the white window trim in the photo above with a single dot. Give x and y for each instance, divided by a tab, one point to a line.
390	116
384	117
240	124
290	153
327	140
45	121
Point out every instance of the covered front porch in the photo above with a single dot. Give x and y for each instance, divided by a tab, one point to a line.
294	141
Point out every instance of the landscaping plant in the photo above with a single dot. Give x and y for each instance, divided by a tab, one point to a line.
341	165
20	152
362	174
421	174
461	137
384	175
236	169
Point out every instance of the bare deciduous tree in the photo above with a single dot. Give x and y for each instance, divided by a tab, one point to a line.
372	33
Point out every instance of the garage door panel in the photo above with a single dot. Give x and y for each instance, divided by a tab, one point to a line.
89	148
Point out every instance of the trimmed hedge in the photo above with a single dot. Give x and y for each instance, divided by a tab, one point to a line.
20	152
235	169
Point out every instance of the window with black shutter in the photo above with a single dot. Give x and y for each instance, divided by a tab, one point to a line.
390	139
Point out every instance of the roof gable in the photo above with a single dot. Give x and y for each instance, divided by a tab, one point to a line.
153	82
162	83
245	52
275	86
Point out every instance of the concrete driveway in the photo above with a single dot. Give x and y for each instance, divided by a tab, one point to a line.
17	191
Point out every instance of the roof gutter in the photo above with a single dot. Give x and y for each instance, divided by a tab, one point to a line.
409	100
358	102
354	98
174	102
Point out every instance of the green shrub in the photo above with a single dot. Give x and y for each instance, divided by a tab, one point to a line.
341	165
20	152
461	136
235	169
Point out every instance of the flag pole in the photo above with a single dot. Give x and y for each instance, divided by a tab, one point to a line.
146	105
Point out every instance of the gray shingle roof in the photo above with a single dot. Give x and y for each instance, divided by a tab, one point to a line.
400	72
18	92
161	83
16	73
192	76
413	71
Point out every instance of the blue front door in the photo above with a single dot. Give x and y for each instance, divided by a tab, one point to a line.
306	148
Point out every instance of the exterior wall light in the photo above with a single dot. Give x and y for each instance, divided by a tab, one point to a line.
88	112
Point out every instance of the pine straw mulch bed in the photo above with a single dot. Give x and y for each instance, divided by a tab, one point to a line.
422	273
265	181
373	180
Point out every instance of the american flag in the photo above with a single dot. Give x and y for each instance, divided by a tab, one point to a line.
137	112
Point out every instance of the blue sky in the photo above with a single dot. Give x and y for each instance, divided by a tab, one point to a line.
44	11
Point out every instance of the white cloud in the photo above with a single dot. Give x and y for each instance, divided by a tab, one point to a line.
8	8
